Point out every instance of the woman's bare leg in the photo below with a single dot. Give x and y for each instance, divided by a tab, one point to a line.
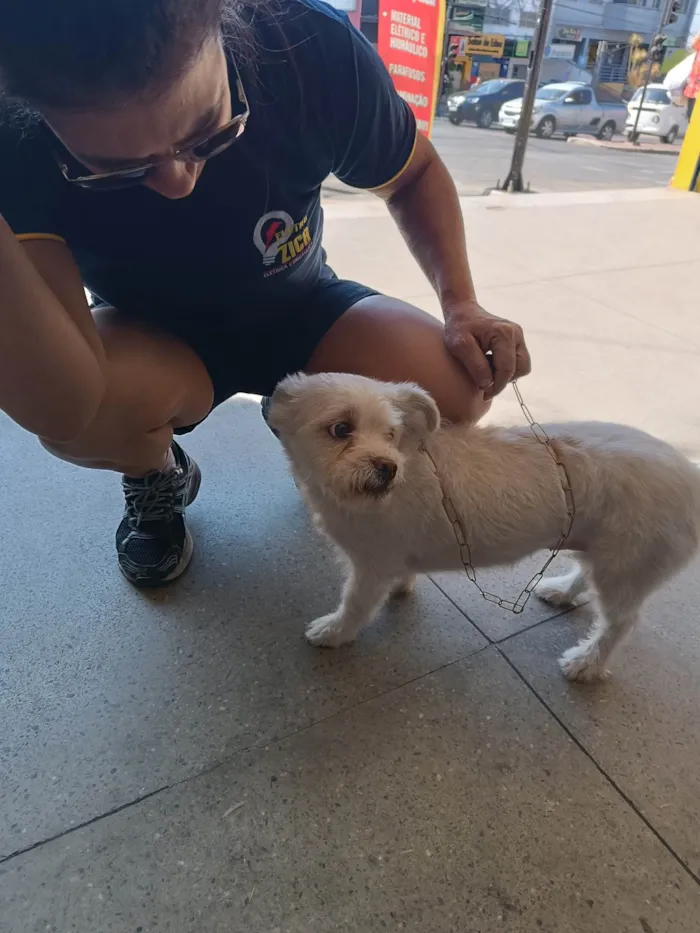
387	339
155	383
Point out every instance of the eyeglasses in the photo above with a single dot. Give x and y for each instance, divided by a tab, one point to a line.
200	151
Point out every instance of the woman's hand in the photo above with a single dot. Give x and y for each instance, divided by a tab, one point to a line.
470	332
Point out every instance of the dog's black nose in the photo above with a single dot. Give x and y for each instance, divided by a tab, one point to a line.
385	470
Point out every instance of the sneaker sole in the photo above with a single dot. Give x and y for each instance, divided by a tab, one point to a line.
178	570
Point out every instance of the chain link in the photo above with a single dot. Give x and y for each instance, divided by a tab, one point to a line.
516	606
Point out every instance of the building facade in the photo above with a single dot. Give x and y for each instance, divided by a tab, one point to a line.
598	33
584	35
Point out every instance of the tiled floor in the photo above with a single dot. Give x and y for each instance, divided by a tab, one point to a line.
184	762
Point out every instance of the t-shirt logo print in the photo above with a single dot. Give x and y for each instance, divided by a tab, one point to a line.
280	240
271	231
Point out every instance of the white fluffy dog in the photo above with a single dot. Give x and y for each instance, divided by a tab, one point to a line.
354	445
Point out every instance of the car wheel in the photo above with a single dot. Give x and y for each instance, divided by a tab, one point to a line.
510	130
607	131
456	118
545	128
671	136
485	120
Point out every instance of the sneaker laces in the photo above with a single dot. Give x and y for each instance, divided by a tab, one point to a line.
155	498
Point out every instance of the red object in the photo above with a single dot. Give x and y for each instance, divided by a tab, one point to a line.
692	88
410	38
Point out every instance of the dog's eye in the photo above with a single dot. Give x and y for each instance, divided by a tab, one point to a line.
391	434
341	430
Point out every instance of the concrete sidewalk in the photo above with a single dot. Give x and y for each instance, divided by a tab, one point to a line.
646	144
183	761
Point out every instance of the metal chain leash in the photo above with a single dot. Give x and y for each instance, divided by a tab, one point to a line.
516	606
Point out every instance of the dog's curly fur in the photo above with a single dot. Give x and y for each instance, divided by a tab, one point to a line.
353	444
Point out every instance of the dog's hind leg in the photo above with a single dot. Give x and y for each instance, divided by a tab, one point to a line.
622	586
565	591
587	661
364	593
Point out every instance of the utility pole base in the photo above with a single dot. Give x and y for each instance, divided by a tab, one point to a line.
513	183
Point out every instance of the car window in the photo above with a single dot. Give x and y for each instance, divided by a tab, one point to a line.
585	96
490	87
655	95
549	93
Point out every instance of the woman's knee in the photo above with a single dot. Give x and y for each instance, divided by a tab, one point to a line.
126	431
153	376
153	384
387	339
462	404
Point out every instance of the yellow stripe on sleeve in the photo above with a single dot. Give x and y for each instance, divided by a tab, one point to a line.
401	170
39	236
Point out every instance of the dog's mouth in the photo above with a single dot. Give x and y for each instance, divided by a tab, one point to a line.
376	492
380	481
371	481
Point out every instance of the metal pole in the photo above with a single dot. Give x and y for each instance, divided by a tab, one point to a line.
600	54
635	137
662	22
514	179
449	13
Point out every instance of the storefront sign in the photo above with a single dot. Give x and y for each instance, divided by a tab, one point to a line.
409	41
471	17
522	48
485	45
561	50
569	33
455	46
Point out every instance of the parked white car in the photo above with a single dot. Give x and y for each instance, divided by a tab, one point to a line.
660	116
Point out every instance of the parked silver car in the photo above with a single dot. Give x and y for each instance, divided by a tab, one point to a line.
568	108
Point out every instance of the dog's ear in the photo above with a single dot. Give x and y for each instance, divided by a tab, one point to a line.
281	405
419	412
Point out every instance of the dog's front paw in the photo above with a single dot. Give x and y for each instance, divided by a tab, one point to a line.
403	587
329	632
583	664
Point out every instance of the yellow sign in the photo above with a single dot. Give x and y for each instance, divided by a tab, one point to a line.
687	174
485	45
466	62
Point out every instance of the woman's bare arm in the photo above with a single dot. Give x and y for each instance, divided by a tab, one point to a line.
51	359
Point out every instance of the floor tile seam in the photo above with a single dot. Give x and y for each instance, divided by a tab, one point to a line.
621	793
505	638
255	747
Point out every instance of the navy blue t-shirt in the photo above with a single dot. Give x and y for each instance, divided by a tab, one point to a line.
249	236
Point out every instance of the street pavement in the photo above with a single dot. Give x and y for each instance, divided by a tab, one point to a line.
478	159
183	762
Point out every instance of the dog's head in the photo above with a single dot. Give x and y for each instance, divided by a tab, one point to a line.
349	435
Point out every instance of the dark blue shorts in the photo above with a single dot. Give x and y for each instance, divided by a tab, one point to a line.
254	355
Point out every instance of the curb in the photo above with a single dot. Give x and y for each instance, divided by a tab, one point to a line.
623	147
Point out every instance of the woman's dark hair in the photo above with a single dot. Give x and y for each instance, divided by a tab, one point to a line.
89	54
